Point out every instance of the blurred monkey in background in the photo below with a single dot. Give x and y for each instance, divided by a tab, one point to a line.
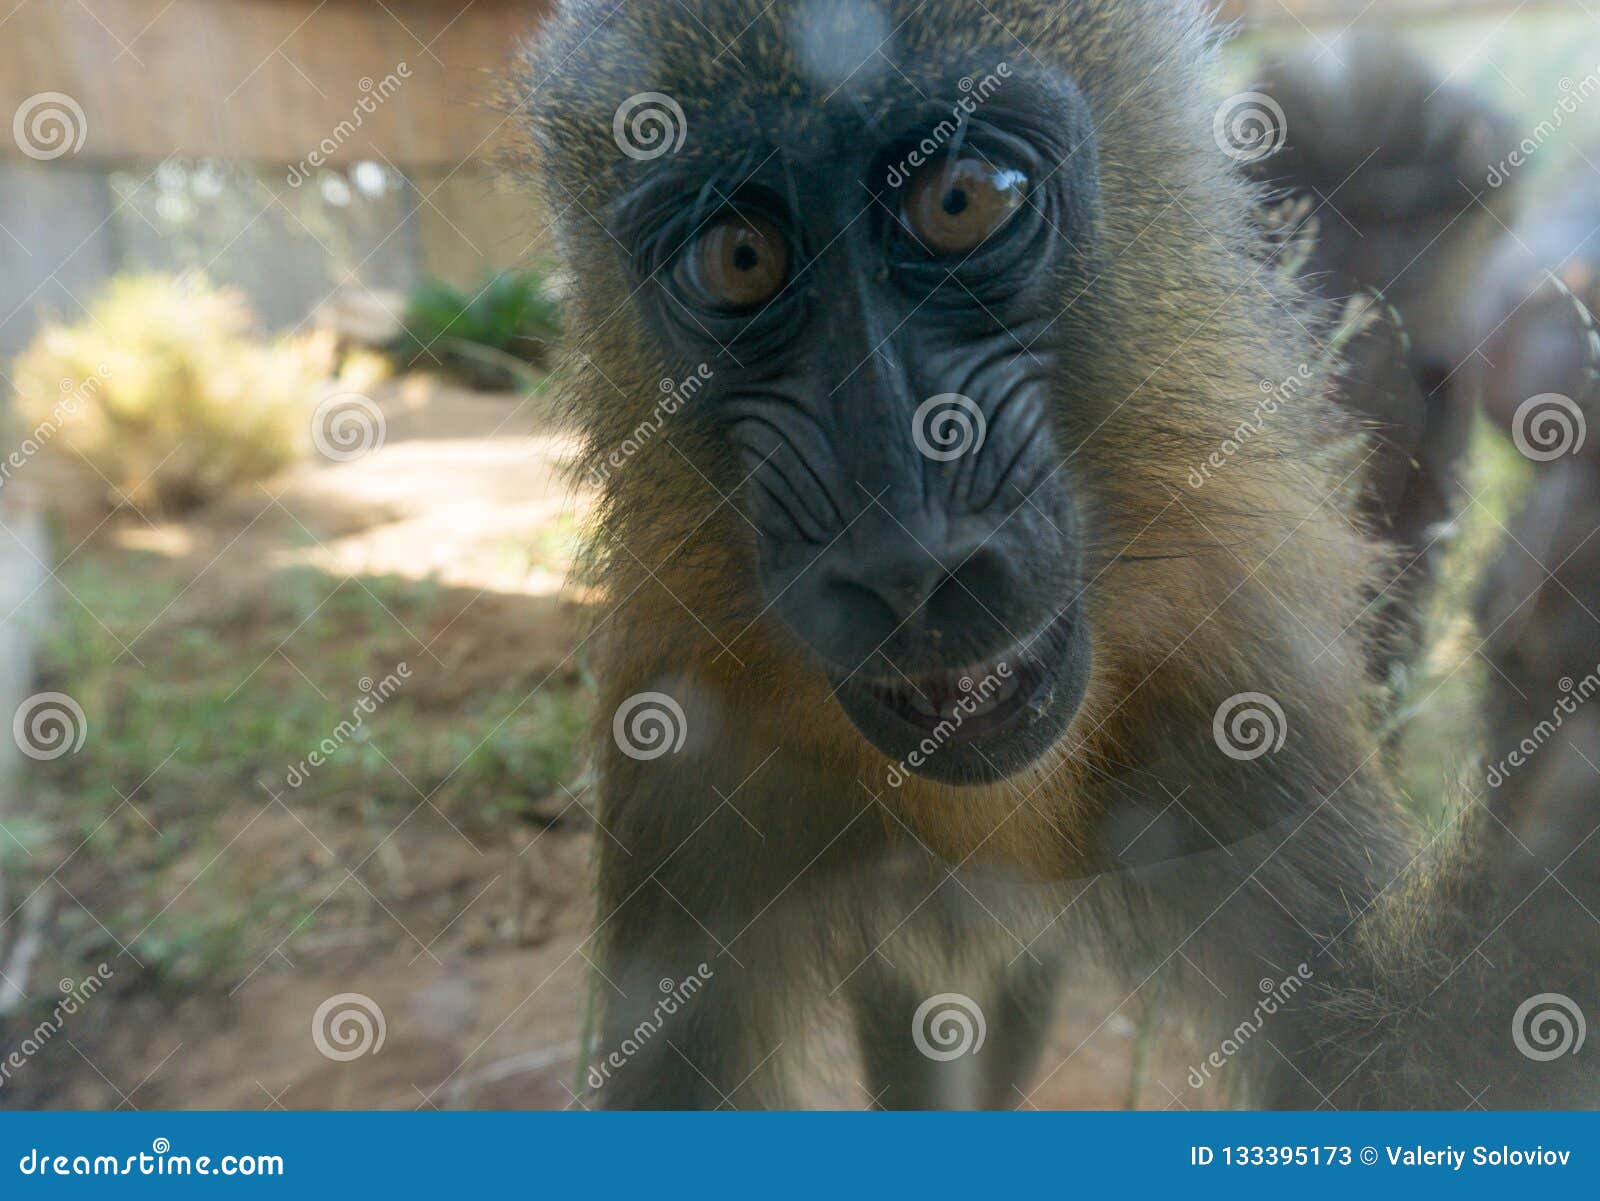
1383	172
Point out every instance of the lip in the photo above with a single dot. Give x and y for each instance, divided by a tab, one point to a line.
979	723
969	704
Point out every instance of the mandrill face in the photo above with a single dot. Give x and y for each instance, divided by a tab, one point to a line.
931	369
874	286
872	274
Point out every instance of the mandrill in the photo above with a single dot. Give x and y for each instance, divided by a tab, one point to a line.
924	664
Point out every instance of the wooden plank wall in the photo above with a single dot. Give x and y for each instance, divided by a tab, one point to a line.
241	92
266	80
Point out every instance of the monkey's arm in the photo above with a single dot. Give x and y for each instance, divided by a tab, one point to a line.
729	860
1464	982
685	988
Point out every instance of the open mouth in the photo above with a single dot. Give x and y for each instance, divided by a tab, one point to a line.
979	723
965	705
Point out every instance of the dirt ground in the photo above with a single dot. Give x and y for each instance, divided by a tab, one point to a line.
229	908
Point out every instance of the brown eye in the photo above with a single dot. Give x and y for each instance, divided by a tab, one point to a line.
952	205
740	261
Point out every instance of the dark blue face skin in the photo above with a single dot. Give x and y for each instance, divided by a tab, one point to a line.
925	553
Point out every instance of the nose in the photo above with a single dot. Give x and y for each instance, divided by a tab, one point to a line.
900	586
890	587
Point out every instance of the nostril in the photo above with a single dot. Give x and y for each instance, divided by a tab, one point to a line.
920	597
868	601
905	589
973	591
899	588
983	574
841	620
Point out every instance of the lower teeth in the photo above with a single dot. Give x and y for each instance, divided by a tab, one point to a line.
934	703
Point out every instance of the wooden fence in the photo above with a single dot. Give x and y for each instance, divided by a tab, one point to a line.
221	134
267	80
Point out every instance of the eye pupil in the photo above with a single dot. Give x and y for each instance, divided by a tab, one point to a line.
953	204
739	261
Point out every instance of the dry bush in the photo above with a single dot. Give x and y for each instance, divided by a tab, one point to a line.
162	395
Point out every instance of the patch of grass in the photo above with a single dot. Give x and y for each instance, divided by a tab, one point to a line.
553	546
246	746
529	756
1437	712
